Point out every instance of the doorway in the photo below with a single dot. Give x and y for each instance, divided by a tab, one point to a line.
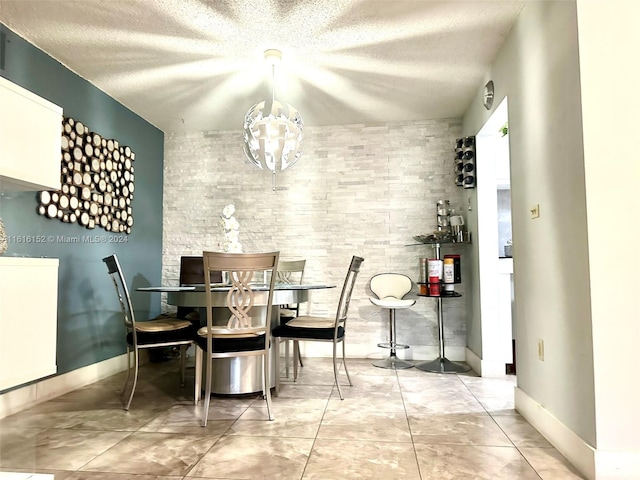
494	244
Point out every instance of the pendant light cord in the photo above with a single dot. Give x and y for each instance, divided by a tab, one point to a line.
273	83
273	99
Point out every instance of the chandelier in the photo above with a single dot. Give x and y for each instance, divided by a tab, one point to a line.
273	130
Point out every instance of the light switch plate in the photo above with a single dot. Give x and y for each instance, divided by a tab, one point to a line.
535	211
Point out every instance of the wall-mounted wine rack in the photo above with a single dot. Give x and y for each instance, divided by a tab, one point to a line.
465	161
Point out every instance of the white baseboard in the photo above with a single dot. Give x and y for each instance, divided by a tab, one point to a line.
485	368
617	465
574	448
324	350
474	361
25	397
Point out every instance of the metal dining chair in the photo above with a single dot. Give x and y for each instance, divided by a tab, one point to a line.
163	331
192	273
306	328
290	272
245	332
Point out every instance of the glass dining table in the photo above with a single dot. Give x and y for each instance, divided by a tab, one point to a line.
194	295
237	375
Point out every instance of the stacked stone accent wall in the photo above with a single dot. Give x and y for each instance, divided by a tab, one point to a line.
357	190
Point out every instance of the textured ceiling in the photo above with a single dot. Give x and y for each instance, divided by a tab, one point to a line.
198	64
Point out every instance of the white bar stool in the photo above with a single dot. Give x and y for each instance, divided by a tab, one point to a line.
389	290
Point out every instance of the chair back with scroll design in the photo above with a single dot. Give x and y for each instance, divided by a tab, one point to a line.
244	328
323	329
290	272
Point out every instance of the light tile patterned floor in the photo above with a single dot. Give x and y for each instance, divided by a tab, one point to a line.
407	424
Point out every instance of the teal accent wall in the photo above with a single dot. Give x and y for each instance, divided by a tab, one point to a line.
89	326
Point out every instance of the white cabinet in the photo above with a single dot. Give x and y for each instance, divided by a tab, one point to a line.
28	319
30	139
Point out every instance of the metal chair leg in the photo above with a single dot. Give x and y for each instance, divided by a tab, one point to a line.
286	357
183	355
276	344
266	385
335	371
198	376
207	393
296	355
126	381
295	342
135	378
344	362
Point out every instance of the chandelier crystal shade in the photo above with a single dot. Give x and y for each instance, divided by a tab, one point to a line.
273	131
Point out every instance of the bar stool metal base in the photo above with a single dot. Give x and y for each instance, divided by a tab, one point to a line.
393	346
442	365
394	363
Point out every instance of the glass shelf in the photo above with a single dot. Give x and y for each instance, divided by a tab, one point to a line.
443	295
437	243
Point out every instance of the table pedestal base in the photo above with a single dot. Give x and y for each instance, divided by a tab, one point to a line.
393	362
237	375
442	365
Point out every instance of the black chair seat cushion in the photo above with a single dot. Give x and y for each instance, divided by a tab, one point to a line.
148	338
225	345
285	331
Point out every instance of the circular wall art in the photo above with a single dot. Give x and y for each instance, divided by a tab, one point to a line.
97	181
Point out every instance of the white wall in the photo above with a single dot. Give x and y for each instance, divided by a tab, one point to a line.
609	42
538	69
358	190
572	119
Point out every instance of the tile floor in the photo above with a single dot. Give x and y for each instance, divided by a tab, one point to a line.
407	424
